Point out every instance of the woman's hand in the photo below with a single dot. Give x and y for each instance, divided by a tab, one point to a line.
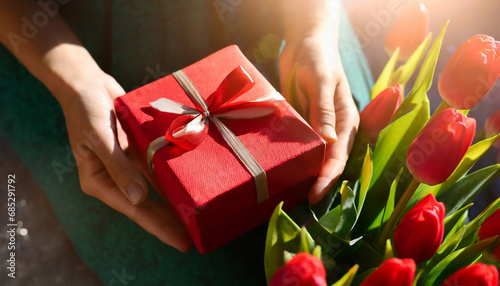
323	92
57	58
105	171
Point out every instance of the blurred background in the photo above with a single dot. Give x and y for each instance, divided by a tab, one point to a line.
45	253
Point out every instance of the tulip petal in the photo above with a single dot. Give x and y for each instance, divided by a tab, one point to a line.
476	274
394	271
378	113
438	149
409	30
471	72
421	231
304	269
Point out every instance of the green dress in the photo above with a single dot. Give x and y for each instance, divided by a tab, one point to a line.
137	42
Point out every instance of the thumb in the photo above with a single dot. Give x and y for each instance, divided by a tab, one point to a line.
123	172
320	88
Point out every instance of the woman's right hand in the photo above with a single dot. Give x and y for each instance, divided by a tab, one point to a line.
58	59
105	171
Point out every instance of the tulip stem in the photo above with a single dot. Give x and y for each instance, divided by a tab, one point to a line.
396	214
440	108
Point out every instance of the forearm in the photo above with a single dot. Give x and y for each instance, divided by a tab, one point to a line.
51	52
311	17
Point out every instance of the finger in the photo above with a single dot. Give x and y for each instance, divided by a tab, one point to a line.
153	217
320	89
120	168
337	154
114	89
330	173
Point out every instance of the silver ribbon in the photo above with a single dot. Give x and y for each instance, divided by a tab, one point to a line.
257	172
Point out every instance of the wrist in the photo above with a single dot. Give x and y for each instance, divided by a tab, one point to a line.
70	68
310	19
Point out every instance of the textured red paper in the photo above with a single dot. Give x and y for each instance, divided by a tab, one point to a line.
211	190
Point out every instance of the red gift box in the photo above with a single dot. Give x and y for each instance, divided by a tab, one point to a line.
215	194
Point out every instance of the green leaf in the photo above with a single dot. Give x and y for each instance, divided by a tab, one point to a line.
394	141
347	279
368	256
473	226
429	64
388	158
332	245
287	256
455	261
280	232
385	78
405	71
391	201
418	94
389	253
445	249
465	190
474	153
356	158
366	176
455	221
317	251
342	218
306	242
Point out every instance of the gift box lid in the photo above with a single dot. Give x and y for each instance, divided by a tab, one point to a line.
210	178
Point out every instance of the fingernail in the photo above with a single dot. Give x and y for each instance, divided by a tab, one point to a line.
135	193
328	133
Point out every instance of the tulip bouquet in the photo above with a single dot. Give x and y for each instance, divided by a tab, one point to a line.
399	214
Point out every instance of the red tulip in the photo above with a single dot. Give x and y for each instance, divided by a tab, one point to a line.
408	32
440	146
475	275
378	113
421	231
471	72
393	271
304	269
492	126
490	228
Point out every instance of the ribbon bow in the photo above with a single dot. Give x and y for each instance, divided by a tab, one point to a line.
189	130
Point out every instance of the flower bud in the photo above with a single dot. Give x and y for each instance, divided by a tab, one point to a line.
492	126
421	231
304	269
471	72
393	271
489	228
378	113
438	149
409	31
475	275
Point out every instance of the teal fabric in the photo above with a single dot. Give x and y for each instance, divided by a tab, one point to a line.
148	39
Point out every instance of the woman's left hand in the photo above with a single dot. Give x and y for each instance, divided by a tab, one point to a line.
324	96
